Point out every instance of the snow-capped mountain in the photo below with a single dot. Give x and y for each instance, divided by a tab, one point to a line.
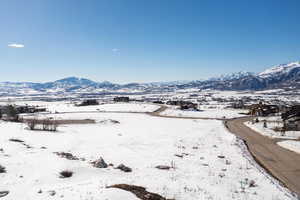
281	76
281	70
232	76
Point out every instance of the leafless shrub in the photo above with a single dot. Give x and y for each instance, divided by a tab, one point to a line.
173	164
2	169
66	174
49	125
32	124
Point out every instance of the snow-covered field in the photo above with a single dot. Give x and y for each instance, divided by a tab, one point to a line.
64	106
259	127
290	145
120	107
208	161
206	113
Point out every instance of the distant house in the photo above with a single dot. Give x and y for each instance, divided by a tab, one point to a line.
291	118
184	105
238	105
263	109
121	99
11	112
89	102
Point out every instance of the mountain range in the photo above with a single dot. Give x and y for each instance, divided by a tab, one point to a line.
283	76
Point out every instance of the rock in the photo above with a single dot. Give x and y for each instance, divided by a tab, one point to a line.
221	157
100	163
124	168
68	156
163	167
52	192
252	183
4	193
40	191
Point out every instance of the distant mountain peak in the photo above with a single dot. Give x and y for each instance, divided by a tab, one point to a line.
280	76
232	76
279	69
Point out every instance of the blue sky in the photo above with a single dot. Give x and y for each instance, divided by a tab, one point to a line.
143	41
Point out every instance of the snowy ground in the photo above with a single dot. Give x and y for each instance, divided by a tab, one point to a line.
290	145
259	127
206	113
213	165
70	106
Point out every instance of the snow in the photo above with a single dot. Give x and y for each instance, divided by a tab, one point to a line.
258	127
114	107
141	142
231	76
290	145
109	107
207	113
280	69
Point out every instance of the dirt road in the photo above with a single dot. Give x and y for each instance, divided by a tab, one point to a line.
281	163
158	112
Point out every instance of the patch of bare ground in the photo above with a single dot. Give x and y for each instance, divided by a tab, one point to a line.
139	192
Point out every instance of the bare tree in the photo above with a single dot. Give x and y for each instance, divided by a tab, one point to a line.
45	124
32	123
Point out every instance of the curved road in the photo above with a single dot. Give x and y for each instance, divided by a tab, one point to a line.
279	162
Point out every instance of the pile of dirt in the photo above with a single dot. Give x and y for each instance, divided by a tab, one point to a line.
140	192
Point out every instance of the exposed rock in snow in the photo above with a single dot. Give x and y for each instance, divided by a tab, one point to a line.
100	163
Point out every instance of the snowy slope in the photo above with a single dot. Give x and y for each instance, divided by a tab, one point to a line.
279	70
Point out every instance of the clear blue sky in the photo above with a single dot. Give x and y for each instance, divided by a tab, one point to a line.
145	40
